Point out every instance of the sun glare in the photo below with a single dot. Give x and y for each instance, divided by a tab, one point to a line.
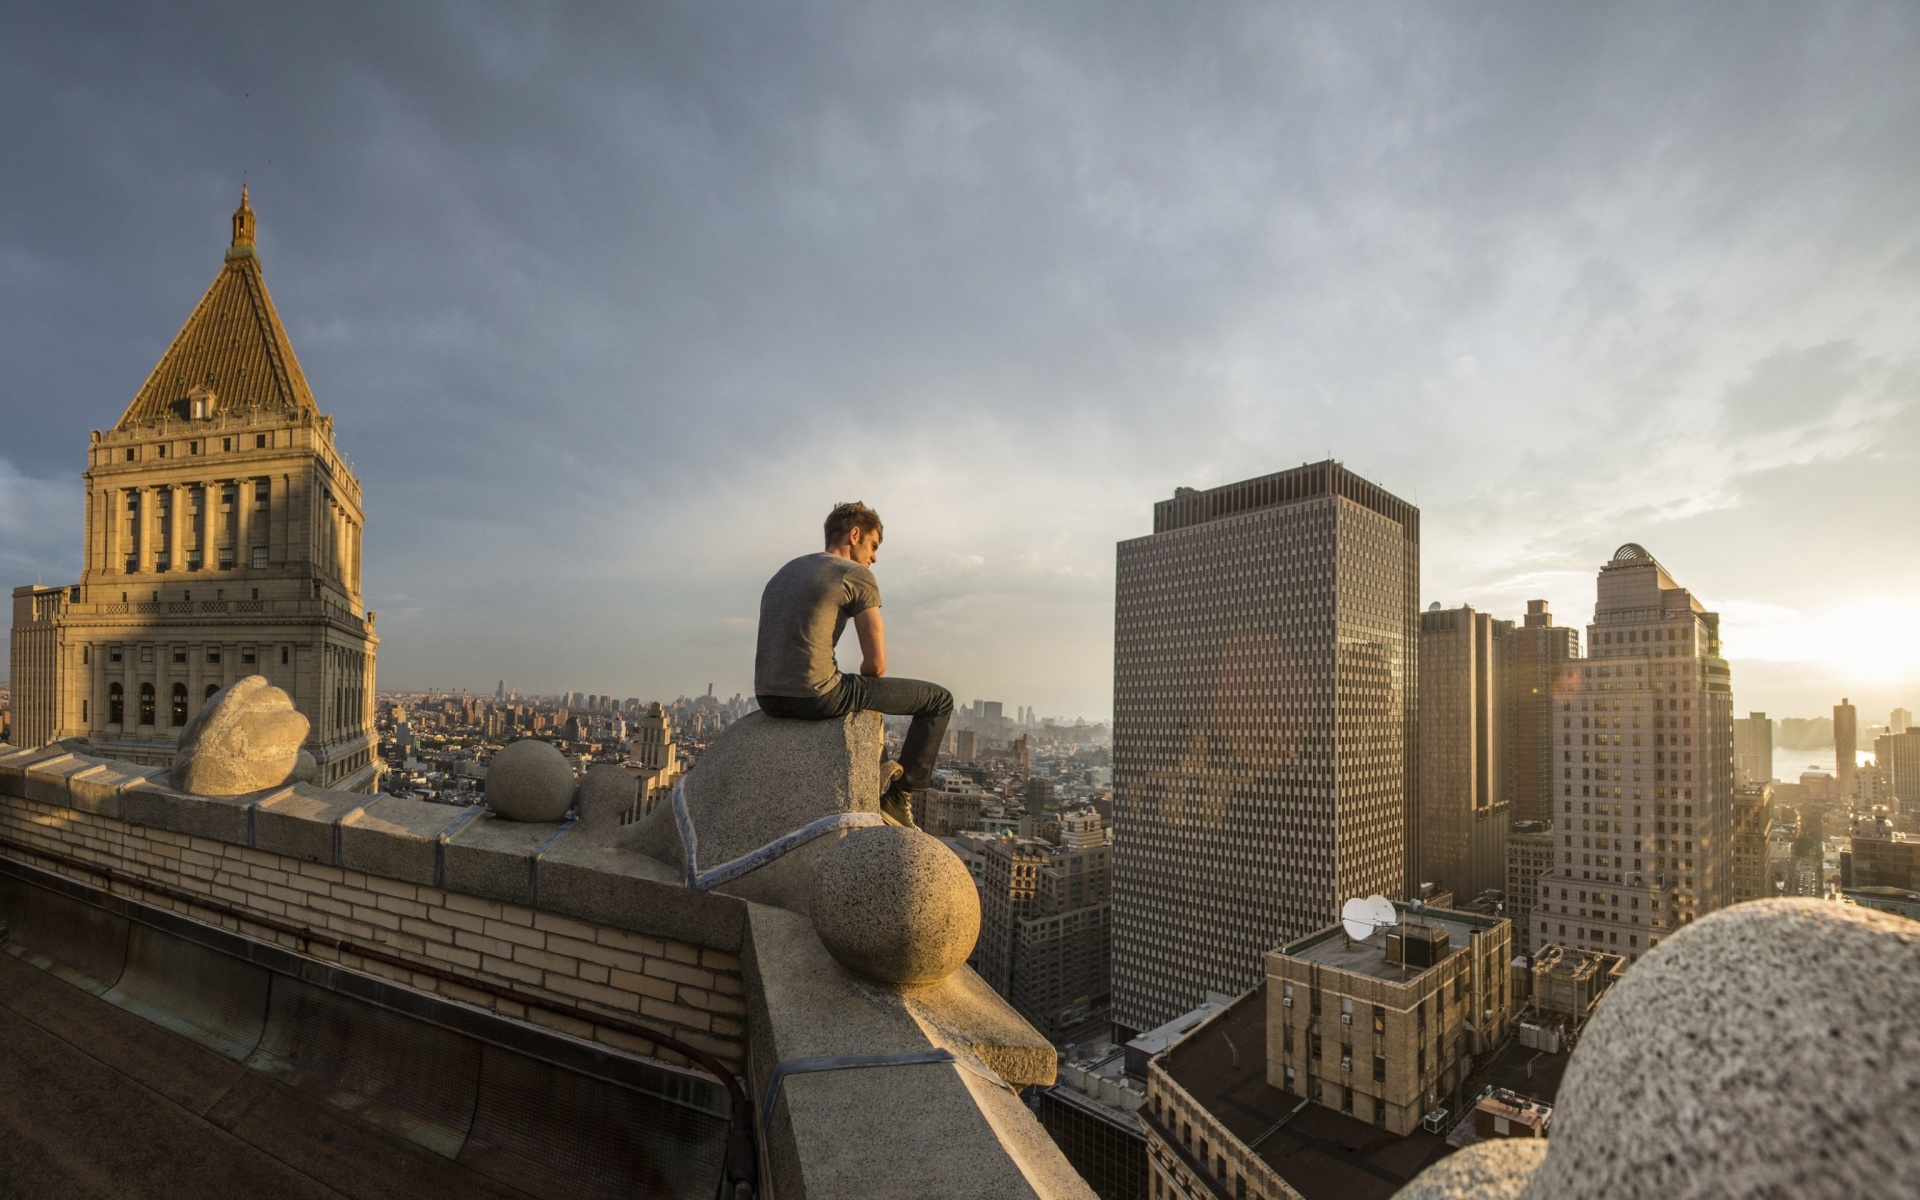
1874	641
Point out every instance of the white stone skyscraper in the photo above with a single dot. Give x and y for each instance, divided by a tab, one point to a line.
1264	726
1644	731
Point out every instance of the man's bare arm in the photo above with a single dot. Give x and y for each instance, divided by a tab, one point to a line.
873	641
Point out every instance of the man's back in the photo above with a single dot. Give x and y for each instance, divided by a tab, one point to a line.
803	611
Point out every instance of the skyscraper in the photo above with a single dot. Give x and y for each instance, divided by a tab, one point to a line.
1264	726
1753	747
1541	651
1900	721
1466	723
222	540
1645	730
1846	743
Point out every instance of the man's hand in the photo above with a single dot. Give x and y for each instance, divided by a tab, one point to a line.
873	641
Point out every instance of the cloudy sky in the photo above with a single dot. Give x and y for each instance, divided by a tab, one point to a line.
610	306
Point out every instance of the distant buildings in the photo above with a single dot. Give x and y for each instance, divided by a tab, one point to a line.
1881	858
1046	924
1264	726
1320	1082
1846	745
1646	742
1530	856
1899	755
1466	729
223	535
1753	748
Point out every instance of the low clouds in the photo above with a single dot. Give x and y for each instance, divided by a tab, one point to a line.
610	305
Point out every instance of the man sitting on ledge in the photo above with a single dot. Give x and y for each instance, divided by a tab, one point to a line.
803	612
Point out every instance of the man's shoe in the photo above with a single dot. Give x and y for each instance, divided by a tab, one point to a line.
897	807
890	773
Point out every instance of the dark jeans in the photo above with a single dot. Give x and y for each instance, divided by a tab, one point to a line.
928	704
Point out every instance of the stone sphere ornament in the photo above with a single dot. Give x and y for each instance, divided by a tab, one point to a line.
896	906
530	781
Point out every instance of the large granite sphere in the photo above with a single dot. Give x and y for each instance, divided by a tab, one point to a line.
1770	1049
246	737
895	905
530	781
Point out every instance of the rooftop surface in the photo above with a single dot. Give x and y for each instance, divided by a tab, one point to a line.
1322	1154
95	1101
1332	948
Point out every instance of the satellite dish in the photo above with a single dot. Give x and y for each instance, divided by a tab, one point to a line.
1385	916
1357	916
1362	917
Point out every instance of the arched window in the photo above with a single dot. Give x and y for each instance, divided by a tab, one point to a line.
116	704
211	689
179	704
146	704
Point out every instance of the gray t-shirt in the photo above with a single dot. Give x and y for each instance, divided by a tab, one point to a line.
803	612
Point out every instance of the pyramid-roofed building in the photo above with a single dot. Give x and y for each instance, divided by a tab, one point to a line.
233	346
222	540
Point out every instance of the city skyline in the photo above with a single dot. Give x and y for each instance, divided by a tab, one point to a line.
1009	300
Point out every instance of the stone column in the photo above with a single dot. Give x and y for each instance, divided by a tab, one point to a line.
243	524
177	510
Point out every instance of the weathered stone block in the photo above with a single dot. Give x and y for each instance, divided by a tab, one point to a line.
628	890
396	838
493	857
970	1137
761	779
222	818
299	822
246	738
609	792
97	789
46	778
14	762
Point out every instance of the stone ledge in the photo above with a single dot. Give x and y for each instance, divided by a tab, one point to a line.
551	866
839	1133
599	883
396	837
303	821
835	1134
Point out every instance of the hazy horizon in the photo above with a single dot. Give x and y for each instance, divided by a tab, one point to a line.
609	306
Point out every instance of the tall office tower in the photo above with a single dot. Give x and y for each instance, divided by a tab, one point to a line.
1466	728
1752	818
1264	744
1541	650
222	540
1900	722
1645	731
1846	744
1753	748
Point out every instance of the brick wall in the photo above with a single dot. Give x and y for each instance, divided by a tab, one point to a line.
693	992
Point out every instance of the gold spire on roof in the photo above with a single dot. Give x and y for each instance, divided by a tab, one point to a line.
232	346
242	224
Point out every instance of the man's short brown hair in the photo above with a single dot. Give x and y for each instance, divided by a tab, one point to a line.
850	516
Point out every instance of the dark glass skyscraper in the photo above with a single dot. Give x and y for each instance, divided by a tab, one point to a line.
1264	726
